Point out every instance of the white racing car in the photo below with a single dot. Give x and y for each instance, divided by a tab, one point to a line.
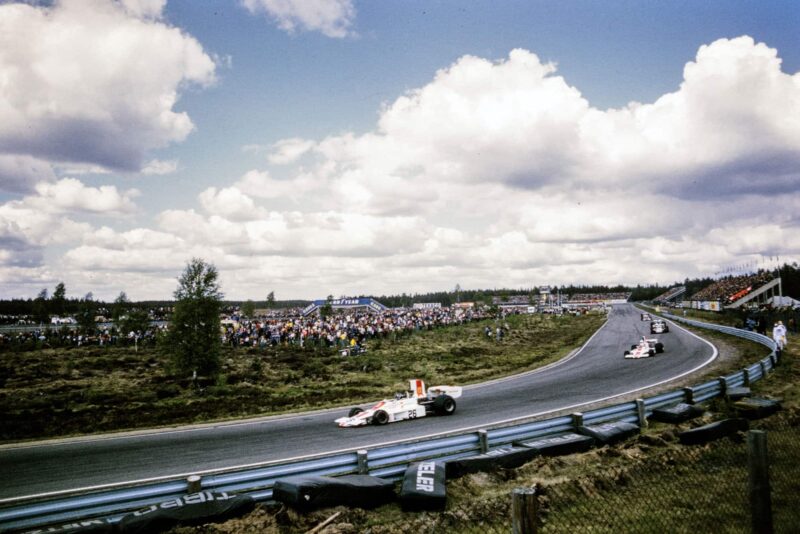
659	326
645	348
414	403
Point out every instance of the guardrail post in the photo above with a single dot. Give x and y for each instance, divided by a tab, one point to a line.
577	419
746	373
483	441
723	386
763	368
523	511
760	500
193	483
363	463
688	394
641	412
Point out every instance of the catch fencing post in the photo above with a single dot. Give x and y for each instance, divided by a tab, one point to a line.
641	412
523	511
577	420
193	483
723	386
363	463
483	441
760	500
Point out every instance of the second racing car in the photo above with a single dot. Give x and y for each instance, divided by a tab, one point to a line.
659	326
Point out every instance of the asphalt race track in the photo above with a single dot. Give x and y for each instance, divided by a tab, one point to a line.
597	372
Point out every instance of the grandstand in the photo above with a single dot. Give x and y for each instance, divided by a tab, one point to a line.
594	300
735	291
671	295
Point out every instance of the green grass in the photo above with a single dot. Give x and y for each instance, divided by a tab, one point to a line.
60	392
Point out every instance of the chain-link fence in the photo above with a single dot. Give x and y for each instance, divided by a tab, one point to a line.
700	488
648	484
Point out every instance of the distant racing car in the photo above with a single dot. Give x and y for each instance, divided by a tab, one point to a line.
645	348
659	326
645	316
415	403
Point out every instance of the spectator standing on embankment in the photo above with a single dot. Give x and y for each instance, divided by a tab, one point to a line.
779	335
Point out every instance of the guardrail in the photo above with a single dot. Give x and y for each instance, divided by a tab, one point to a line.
387	462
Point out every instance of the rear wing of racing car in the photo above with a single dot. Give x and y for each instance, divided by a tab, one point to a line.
418	390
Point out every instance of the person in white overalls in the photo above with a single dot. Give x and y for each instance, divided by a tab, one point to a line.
779	334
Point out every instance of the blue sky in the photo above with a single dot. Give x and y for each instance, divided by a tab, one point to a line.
342	147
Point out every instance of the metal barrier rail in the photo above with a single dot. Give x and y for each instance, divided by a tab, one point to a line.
388	462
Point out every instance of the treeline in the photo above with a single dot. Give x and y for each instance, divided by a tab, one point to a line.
44	305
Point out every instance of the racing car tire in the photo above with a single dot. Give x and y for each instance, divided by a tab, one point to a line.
652	352
444	405
381	417
354	411
659	348
626	353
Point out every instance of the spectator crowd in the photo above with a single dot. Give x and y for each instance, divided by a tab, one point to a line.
732	288
347	330
73	337
344	330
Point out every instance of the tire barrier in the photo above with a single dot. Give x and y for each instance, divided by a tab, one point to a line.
713	431
756	408
737	393
424	487
308	492
559	445
610	433
676	414
109	503
502	458
193	509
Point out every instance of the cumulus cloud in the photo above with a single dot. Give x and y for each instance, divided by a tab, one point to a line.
516	122
94	81
15	249
230	202
332	18
160	167
728	130
289	150
495	173
71	195
18	174
260	184
44	218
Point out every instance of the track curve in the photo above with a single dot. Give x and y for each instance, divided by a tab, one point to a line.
597	372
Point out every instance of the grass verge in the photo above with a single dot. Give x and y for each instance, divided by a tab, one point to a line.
51	393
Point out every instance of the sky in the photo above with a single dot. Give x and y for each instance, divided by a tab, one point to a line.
348	147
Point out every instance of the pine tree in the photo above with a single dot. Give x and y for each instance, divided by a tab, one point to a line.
194	334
